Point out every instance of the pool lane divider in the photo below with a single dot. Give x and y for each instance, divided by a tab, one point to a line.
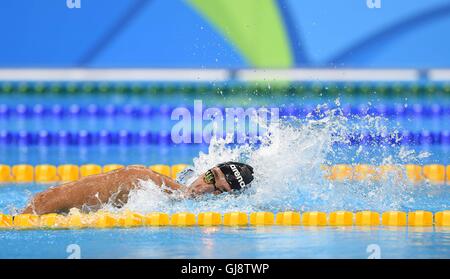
144	137
128	219
145	111
24	173
433	173
243	86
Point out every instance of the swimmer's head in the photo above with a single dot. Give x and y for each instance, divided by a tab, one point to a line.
225	177
237	175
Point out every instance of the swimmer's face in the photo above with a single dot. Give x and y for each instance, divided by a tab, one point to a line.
201	186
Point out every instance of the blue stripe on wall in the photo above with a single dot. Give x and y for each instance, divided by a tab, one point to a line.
298	51
393	31
120	25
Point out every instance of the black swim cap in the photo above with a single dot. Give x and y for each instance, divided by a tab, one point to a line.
238	175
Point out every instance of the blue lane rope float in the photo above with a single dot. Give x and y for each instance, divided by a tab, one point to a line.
145	111
143	137
92	110
397	110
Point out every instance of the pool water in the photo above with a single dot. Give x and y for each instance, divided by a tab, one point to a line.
221	242
27	120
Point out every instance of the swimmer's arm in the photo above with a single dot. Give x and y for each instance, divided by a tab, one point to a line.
95	190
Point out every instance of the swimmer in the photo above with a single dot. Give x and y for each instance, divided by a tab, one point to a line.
92	192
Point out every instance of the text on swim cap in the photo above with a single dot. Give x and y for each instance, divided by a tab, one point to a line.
238	175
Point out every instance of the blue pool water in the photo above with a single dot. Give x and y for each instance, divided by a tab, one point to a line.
302	188
248	242
223	242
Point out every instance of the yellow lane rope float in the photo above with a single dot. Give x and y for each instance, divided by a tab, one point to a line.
433	173
128	219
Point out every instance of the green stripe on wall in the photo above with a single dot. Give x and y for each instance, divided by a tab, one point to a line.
254	27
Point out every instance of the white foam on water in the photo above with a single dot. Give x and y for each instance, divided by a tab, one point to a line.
288	173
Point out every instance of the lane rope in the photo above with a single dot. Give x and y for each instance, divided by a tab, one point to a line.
390	88
144	137
102	220
47	173
146	111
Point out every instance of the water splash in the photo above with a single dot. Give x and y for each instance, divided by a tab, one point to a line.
288	169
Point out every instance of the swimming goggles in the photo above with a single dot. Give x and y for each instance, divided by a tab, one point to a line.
209	179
